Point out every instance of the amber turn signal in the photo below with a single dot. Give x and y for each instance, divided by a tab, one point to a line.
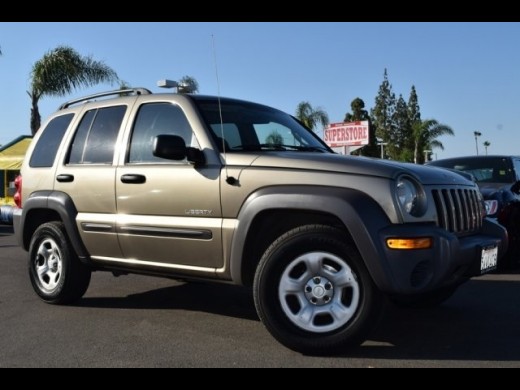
409	243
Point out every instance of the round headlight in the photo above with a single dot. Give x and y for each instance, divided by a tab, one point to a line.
410	197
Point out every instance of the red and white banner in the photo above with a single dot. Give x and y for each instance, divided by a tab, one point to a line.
339	135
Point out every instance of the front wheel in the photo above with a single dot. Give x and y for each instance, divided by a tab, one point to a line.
313	292
56	273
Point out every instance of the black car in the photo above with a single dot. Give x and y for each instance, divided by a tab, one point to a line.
499	180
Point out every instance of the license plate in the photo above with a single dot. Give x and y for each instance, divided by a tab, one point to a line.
489	259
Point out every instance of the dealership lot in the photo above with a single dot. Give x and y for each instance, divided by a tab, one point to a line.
142	321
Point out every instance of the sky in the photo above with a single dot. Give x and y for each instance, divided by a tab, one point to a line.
467	75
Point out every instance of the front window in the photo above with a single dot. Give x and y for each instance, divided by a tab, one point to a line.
252	127
516	163
155	119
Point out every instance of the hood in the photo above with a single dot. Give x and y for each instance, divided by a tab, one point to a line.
489	189
346	164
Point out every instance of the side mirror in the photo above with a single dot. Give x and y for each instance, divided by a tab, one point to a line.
169	147
516	188
172	147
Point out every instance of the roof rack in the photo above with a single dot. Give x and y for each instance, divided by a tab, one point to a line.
135	91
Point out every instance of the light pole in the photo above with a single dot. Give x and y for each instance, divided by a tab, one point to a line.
382	144
477	134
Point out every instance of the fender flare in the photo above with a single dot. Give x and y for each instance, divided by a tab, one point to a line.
63	205
361	215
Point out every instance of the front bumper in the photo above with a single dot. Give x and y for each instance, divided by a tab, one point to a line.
451	260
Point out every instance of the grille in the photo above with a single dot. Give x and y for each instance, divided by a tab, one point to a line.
459	210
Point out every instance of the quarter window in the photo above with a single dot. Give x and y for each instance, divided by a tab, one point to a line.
95	139
47	147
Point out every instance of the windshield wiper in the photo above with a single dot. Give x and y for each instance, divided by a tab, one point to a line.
279	147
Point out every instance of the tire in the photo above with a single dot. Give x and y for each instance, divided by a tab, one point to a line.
56	273
313	292
427	300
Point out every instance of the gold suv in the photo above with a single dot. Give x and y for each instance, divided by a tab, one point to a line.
203	188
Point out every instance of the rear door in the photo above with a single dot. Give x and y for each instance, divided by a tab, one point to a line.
169	212
87	175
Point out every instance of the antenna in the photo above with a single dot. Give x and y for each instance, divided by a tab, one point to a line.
229	179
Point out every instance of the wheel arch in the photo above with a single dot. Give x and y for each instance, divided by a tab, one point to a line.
284	208
47	206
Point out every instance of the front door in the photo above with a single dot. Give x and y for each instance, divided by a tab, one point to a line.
169	213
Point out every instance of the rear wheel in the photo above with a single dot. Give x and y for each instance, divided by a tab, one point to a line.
56	273
313	292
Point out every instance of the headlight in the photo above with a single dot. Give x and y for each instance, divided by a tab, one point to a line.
491	207
411	197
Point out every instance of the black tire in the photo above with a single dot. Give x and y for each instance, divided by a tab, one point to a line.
56	273
281	315
425	301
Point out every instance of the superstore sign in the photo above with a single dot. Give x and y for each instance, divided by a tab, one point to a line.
347	134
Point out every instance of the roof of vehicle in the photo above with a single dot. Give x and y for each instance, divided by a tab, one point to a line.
121	93
466	158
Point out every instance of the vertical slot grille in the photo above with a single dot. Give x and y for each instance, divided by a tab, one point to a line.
459	210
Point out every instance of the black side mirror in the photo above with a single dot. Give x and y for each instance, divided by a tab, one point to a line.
172	147
169	147
516	188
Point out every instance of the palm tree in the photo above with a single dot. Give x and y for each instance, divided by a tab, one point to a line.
59	72
188	84
426	134
487	144
275	138
311	116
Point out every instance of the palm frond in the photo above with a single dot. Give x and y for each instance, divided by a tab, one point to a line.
62	70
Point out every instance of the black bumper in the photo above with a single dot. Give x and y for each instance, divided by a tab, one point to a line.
452	260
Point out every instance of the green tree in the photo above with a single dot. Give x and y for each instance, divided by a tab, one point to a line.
310	116
414	111
383	114
426	134
188	84
401	137
358	111
360	114
59	72
487	144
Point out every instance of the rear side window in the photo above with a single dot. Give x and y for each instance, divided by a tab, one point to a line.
45	151
95	139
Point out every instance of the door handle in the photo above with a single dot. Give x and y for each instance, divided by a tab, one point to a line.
65	178
133	179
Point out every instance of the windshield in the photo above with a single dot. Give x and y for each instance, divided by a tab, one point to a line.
485	170
253	127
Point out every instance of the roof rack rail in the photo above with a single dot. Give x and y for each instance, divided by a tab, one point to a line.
135	91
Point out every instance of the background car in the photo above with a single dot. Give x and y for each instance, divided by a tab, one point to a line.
499	180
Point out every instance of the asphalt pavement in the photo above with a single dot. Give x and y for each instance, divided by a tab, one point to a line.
136	321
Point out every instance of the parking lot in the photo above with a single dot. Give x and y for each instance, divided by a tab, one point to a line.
137	321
